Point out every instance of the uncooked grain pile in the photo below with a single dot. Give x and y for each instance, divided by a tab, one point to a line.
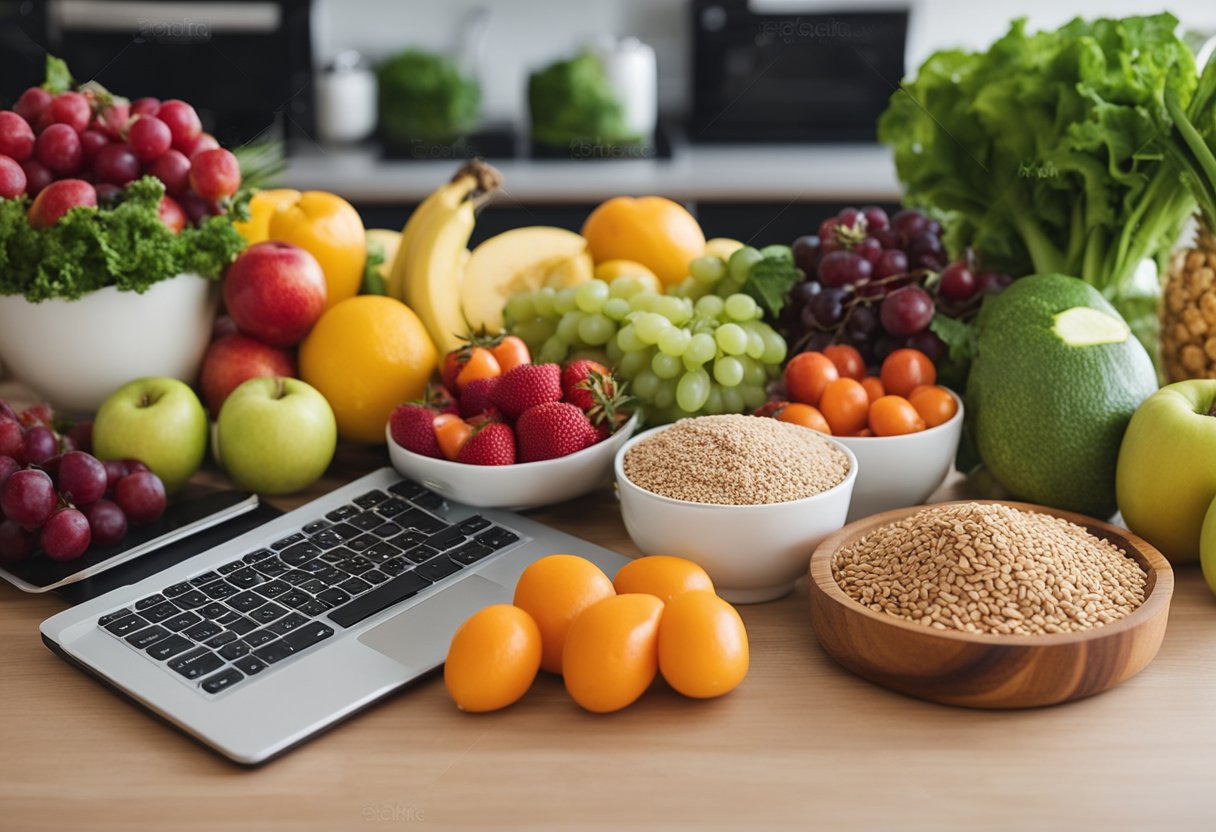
990	569
736	460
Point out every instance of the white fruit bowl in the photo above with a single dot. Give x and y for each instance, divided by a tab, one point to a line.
520	486
75	353
752	553
899	471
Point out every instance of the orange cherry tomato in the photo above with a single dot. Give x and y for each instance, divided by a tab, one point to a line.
451	432
873	387
807	375
511	352
481	364
845	405
906	369
804	414
848	361
934	404
894	415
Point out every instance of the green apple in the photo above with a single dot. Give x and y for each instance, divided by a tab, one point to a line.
1166	476
276	435
158	421
1207	547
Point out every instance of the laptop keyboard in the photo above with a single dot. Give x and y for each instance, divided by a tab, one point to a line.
233	622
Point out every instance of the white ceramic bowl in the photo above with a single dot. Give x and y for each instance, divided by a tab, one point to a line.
75	353
898	471
520	486
752	553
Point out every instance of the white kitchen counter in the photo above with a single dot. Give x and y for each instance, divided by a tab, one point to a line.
724	173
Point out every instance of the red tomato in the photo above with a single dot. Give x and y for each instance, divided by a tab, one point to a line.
934	404
807	375
893	416
906	369
873	388
845	405
848	361
805	415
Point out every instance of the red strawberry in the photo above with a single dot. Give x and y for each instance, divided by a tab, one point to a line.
527	386
576	382
412	427
493	443
478	396
440	399
553	429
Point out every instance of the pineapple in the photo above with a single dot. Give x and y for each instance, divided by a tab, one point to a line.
1188	311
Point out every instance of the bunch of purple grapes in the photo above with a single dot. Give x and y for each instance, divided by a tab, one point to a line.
57	497
875	282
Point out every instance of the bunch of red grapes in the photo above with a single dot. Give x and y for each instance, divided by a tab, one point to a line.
875	282
57	497
97	145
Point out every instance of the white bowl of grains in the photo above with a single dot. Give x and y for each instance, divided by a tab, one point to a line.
747	498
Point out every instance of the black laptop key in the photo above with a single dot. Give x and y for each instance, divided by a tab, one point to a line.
181	621
445	539
259	637
363	541
356	564
366	521
300	552
245	578
331	575
178	589
219	590
212	611
150	601
249	665
333	596
410	539
497	537
147	636
274	652
160	612
420	520
328	539
190	599
420	554
230	567
222	680
295	577
474	524
381	552
395	566
374	576
354	586
203	631
429	500
234	650
314	566
259	555
205	578
382	597
226	637
294	598
392	507
272	567
386	530
246	601
342	512
169	647
407	489
371	498
315	526
201	666
127	625
436	569
287	623
182	659
273	589
239	624
113	616
470	552
313	586
314	608
308	635
268	613
284	542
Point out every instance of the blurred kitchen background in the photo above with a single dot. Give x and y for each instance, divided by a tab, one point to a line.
756	114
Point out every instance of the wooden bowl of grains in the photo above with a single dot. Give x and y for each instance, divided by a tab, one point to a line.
988	604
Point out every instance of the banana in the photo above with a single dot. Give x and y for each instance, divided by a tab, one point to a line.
395	285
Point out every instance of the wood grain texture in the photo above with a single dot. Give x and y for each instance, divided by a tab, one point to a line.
988	671
801	744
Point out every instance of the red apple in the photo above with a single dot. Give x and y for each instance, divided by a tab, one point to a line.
275	292
57	198
171	214
233	360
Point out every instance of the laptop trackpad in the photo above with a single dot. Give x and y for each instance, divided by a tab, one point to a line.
419	637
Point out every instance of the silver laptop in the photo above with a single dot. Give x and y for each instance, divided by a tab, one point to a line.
259	644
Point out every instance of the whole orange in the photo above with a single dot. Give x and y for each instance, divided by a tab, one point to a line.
611	654
662	576
493	659
554	590
330	229
367	355
651	230
703	649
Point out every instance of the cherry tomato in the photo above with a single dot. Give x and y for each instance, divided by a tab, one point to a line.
451	432
894	415
848	361
873	387
805	415
845	405
906	369
934	404
511	352
807	375
481	364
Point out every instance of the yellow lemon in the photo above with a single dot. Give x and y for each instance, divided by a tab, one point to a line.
264	203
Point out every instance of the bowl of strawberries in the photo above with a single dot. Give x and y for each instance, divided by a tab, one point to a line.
529	436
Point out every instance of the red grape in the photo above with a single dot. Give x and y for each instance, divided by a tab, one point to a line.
8	467
171	214
149	137
108	194
92	141
145	106
16	544
173	168
876	219
72	109
870	250
215	174
134	466
926	252
806	252
32	103
59	197
37	414
58	147
116	164
6	411
827	307
116	469
843	268
827	229
182	120
37	176
195	146
817	342
65	535
12	443
928	343
892	262
112	121
39	445
906	311
848	217
992	283
141	495
16	136
107	523
957	282
889	239
12	178
862	323
911	224
28	497
83	477
802	292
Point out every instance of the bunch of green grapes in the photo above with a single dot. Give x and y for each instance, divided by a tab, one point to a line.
682	357
713	275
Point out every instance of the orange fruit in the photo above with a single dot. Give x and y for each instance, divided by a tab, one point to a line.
367	355
797	413
493	659
554	590
611	654
702	645
894	416
262	206
330	229
662	576
651	230
934	404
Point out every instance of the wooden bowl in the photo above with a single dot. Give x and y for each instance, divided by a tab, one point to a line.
988	671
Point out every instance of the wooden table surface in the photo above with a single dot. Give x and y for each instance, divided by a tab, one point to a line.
801	743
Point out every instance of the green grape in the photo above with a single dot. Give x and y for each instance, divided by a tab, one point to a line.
590	296
543	301
727	288
666	366
774	347
713	402
646	385
730	337
753	396
616	309
625	287
709	306
690	288
732	400
676	310
567	327
692	391
753	372
740	307
564	301
755	343
614	352
650	326
741	262
590	354
519	307
665	396
596	330
701	348
643	301
553	351
535	331
707	269
674	340
778	250
689	364
632	363
627	337
728	371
